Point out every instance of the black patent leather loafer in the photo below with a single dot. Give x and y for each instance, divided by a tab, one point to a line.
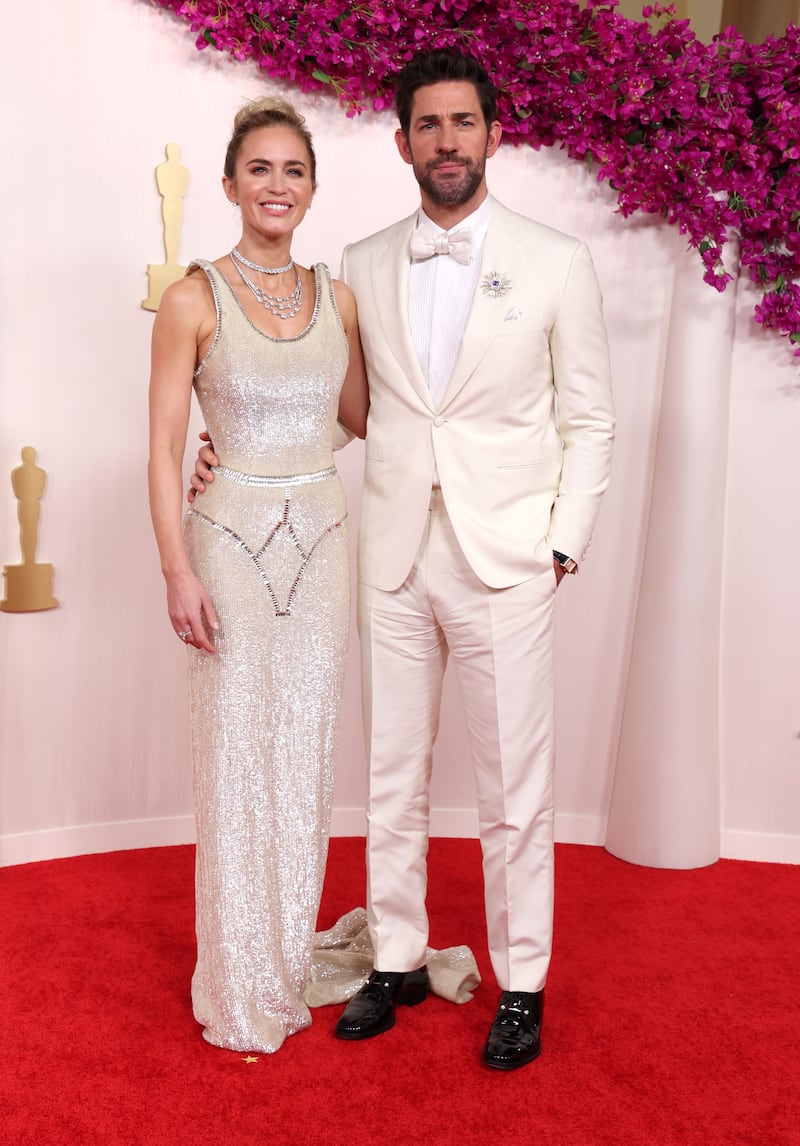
515	1037
372	1010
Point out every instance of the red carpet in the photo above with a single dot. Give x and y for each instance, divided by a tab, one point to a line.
671	1017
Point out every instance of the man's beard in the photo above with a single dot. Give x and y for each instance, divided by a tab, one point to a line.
451	192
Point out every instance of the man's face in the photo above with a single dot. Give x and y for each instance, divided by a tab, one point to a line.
448	143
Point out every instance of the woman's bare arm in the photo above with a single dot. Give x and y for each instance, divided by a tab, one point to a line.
354	396
178	329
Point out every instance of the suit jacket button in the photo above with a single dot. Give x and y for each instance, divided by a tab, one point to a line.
438	420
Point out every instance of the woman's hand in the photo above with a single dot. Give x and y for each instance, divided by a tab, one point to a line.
190	610
202	476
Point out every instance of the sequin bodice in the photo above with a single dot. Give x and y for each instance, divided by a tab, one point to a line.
270	404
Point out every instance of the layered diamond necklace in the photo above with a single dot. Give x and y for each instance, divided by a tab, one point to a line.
281	306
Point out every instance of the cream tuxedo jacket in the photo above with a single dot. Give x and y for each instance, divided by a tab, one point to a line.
522	440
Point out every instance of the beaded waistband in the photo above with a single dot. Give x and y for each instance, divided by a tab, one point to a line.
291	479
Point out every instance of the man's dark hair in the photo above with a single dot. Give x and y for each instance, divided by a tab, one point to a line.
442	66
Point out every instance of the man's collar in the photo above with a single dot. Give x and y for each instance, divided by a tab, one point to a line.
477	221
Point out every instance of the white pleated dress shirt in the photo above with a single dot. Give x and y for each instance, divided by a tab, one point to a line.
440	293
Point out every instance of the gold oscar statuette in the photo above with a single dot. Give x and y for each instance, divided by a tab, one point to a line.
172	181
29	586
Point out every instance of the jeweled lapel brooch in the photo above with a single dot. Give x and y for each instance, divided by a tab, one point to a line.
495	284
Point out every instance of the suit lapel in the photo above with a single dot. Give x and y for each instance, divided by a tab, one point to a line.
510	259
389	272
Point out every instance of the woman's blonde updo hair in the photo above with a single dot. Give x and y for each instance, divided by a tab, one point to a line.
270	111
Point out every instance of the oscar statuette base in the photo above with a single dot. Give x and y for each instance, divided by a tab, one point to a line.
29	589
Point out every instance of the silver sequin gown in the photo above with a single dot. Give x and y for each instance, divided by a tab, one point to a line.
268	541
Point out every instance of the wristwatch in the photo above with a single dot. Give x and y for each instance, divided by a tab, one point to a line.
568	564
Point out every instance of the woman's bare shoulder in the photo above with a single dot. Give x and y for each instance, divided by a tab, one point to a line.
190	296
345	301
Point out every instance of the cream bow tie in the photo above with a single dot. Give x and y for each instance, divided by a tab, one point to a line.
426	243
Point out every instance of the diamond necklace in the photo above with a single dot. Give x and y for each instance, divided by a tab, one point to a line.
239	257
282	306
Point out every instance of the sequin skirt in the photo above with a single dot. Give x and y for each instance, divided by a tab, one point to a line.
264	721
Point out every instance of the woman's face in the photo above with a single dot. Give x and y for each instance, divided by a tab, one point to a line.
272	183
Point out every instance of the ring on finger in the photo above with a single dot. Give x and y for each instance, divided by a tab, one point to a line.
184	636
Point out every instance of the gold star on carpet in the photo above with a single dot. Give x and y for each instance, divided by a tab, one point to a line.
250	1058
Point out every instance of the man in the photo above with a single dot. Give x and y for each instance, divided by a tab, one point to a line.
488	449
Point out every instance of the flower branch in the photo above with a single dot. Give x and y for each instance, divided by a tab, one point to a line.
706	136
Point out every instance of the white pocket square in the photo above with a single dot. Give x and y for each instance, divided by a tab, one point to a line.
515	312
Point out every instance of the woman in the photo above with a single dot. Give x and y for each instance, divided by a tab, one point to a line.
257	577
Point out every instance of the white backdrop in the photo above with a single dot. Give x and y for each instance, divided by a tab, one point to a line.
93	727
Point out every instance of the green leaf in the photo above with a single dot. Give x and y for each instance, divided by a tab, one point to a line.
635	136
577	77
795	336
208	36
705	88
323	77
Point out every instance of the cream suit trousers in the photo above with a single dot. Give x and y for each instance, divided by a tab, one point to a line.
500	641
